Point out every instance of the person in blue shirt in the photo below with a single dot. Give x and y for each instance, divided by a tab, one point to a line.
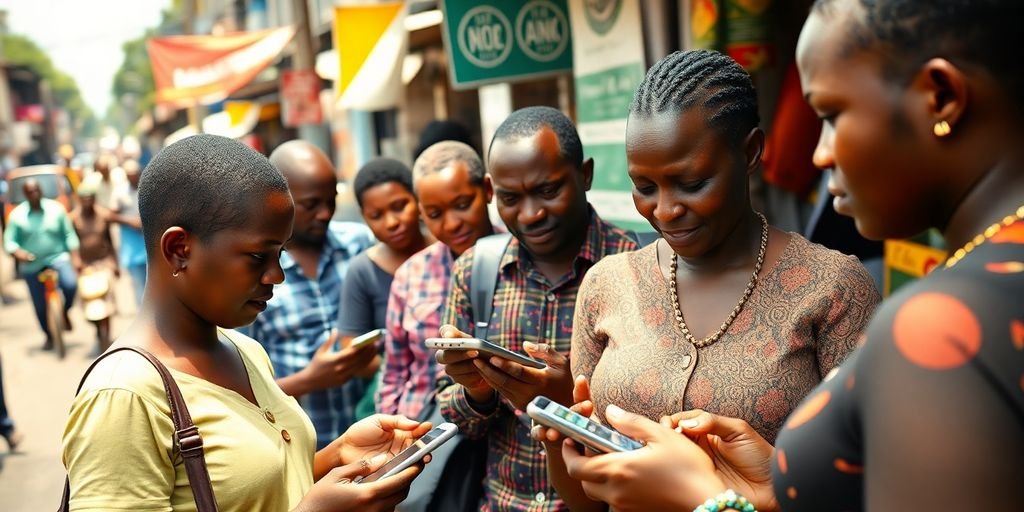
132	252
296	328
40	235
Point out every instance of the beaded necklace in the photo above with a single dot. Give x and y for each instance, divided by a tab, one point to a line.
736	311
984	236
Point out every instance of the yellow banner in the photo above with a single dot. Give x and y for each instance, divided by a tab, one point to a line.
357	30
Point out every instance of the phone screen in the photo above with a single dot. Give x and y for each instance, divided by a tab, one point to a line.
592	426
404	455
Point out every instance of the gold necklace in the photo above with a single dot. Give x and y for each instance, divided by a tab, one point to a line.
984	236
739	306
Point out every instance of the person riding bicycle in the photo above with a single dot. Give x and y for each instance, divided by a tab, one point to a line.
40	235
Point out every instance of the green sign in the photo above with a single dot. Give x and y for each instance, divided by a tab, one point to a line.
506	41
608	66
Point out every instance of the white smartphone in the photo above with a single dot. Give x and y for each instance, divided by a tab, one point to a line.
366	338
414	453
579	428
483	346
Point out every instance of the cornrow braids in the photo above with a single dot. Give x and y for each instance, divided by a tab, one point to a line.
700	78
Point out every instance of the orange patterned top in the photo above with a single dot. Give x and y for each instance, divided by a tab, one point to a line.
802	319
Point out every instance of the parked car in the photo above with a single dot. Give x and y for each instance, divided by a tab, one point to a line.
53	182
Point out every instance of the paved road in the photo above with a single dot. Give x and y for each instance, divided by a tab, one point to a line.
39	389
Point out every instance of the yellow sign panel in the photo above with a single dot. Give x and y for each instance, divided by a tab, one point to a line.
357	29
910	258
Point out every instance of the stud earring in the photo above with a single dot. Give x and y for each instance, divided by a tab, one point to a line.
942	129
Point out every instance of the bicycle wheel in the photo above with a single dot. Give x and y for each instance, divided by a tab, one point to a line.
55	322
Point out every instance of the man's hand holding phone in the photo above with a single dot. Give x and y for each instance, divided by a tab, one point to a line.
458	364
516	382
329	368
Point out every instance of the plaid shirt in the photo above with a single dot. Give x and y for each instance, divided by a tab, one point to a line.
418	294
526	308
298	319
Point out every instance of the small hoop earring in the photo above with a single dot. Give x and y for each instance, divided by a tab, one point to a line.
175	273
942	129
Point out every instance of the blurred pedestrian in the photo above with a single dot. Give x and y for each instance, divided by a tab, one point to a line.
10	434
99	263
40	235
132	250
107	177
441	130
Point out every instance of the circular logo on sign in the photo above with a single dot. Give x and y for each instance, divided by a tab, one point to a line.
485	36
602	14
542	31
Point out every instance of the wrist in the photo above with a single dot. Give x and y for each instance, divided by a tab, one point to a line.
726	500
484	401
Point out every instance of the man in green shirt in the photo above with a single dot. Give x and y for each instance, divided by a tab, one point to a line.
40	235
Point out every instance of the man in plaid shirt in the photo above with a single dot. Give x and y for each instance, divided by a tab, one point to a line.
453	192
295	329
540	179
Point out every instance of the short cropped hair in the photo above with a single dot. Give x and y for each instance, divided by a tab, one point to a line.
441	155
378	171
526	122
205	184
909	32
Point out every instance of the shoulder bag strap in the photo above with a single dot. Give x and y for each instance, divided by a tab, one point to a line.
186	436
487	253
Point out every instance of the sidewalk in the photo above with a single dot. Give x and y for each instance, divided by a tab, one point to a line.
39	389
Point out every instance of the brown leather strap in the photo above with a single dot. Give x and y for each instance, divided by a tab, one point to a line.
187	440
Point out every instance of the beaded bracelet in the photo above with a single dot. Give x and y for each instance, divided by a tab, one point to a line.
725	501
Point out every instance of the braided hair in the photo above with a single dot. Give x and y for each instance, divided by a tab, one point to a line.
700	78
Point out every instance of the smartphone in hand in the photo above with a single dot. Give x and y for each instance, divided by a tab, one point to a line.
579	428
361	340
485	347
414	453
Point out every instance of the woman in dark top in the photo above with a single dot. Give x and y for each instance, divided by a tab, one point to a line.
383	190
922	105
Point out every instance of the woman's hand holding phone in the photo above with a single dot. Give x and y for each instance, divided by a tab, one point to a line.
669	473
338	490
742	458
581	405
378	434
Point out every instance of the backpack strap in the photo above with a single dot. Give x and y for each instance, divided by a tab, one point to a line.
187	440
487	253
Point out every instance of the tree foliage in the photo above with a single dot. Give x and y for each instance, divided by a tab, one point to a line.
22	51
133	89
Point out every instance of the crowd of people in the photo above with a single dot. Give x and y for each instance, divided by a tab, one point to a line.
760	371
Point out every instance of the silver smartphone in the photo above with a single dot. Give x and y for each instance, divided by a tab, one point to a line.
361	340
366	338
579	428
414	453
483	346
